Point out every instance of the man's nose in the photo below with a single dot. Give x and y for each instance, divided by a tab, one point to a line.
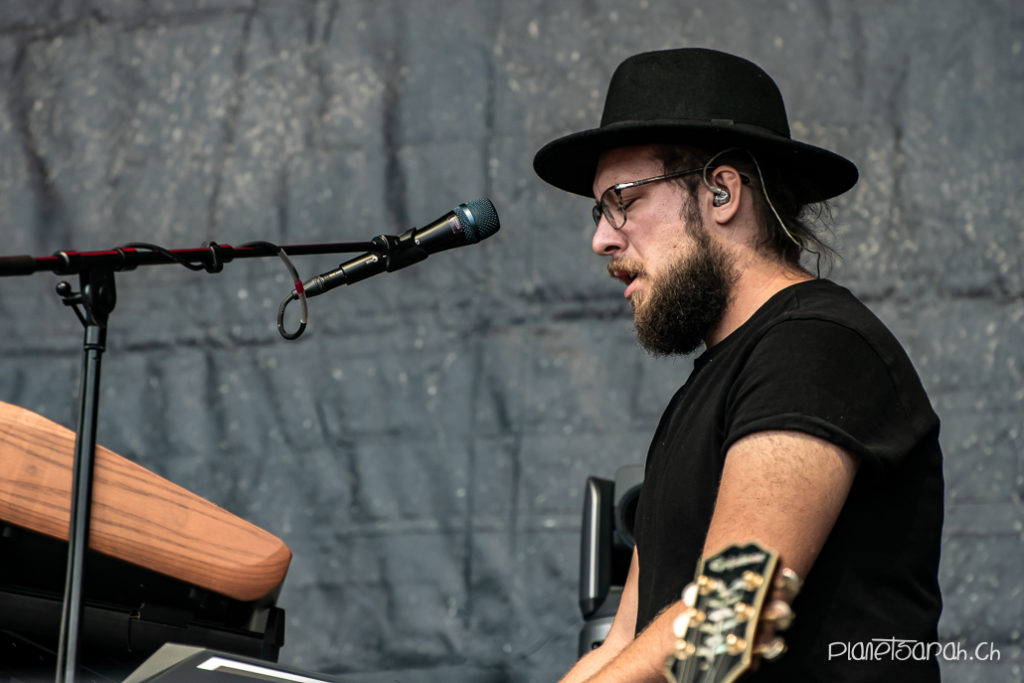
607	240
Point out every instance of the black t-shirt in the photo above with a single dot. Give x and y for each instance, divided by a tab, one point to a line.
815	360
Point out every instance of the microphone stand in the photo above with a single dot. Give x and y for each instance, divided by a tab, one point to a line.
97	297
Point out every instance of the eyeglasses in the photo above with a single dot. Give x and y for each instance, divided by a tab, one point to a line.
615	210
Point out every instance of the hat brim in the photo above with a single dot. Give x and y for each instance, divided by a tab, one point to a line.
570	163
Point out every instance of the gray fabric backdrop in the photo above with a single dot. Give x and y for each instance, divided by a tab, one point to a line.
423	448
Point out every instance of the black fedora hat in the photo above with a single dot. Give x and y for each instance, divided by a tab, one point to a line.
698	96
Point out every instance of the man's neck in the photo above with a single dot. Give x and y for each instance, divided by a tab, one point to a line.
754	287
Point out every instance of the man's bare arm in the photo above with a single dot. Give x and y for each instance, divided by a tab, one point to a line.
783	489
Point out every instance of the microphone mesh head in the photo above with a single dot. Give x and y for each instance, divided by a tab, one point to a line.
479	219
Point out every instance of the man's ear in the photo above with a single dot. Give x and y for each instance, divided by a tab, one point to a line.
726	188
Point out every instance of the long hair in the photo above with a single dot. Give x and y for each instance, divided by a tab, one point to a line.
787	223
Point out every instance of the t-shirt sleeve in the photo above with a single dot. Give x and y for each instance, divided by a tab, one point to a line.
824	379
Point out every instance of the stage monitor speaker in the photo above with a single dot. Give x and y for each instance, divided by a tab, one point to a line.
595	551
606	548
628	480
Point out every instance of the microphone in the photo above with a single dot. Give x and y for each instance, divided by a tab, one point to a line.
465	224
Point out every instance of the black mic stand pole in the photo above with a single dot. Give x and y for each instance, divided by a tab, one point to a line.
97	298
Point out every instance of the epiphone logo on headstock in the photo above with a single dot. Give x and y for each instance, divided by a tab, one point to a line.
724	564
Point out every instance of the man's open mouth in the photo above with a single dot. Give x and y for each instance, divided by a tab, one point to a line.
627	273
625	276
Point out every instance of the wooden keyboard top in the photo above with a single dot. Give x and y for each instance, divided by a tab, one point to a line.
137	515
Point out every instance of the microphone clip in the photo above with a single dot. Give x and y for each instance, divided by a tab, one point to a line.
399	252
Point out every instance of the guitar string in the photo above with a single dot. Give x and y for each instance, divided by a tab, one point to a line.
689	671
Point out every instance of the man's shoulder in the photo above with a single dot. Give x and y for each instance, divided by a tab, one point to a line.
826	304
806	314
818	298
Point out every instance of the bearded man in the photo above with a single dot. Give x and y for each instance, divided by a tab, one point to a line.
803	425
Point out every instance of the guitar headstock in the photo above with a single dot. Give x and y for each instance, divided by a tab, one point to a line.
717	636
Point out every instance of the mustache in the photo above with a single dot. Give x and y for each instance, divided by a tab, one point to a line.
618	267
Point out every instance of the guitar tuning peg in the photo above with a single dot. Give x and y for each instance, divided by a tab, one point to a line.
706	585
734	645
779	614
752	580
789	582
689	595
684	650
681	625
773	649
691	617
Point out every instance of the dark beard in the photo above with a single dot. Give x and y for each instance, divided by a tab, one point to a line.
687	301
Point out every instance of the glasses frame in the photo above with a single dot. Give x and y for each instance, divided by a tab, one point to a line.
599	206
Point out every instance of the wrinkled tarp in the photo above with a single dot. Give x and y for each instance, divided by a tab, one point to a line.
423	448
